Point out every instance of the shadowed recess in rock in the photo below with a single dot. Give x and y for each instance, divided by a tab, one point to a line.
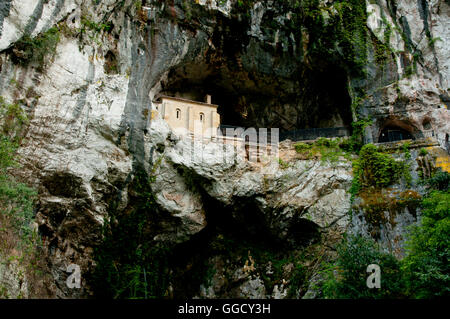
240	237
314	98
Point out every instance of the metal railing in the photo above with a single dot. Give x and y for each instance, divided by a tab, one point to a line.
297	135
314	133
240	132
223	129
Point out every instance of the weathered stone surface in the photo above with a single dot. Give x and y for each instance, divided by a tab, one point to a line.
89	129
13	282
413	87
252	289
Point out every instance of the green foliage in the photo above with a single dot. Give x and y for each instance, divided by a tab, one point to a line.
357	139
337	30
13	120
432	41
36	50
405	149
440	180
18	239
340	28
376	203
383	49
423	151
298	279
7	150
329	150
96	27
138	4
130	264
283	164
283	264
16	199
376	169
424	270
410	70
426	265
279	261
304	148
353	32
347	278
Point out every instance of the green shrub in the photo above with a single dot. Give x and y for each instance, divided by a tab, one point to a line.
405	148
347	278
283	164
426	265
7	150
13	120
423	151
36	50
18	239
377	169
329	149
16	199
130	264
325	142
440	180
97	27
356	140
346	145
16	205
303	147
298	279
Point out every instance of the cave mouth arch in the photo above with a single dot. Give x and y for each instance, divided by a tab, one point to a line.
233	233
426	123
251	98
392	133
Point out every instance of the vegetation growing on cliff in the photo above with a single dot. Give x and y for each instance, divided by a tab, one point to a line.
13	120
423	273
328	150
375	169
347	278
129	262
16	198
240	259
37	51
18	239
356	141
376	203
340	28
426	266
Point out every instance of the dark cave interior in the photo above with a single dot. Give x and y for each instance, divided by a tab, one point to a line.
233	231
314	99
393	133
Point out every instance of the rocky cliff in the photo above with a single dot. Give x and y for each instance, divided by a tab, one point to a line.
86	73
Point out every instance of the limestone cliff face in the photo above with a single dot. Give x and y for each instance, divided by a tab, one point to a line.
91	129
409	88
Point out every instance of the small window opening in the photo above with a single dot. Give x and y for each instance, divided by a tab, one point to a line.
427	125
392	134
178	114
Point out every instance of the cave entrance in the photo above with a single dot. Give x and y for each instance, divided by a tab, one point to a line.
233	233
392	134
253	98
